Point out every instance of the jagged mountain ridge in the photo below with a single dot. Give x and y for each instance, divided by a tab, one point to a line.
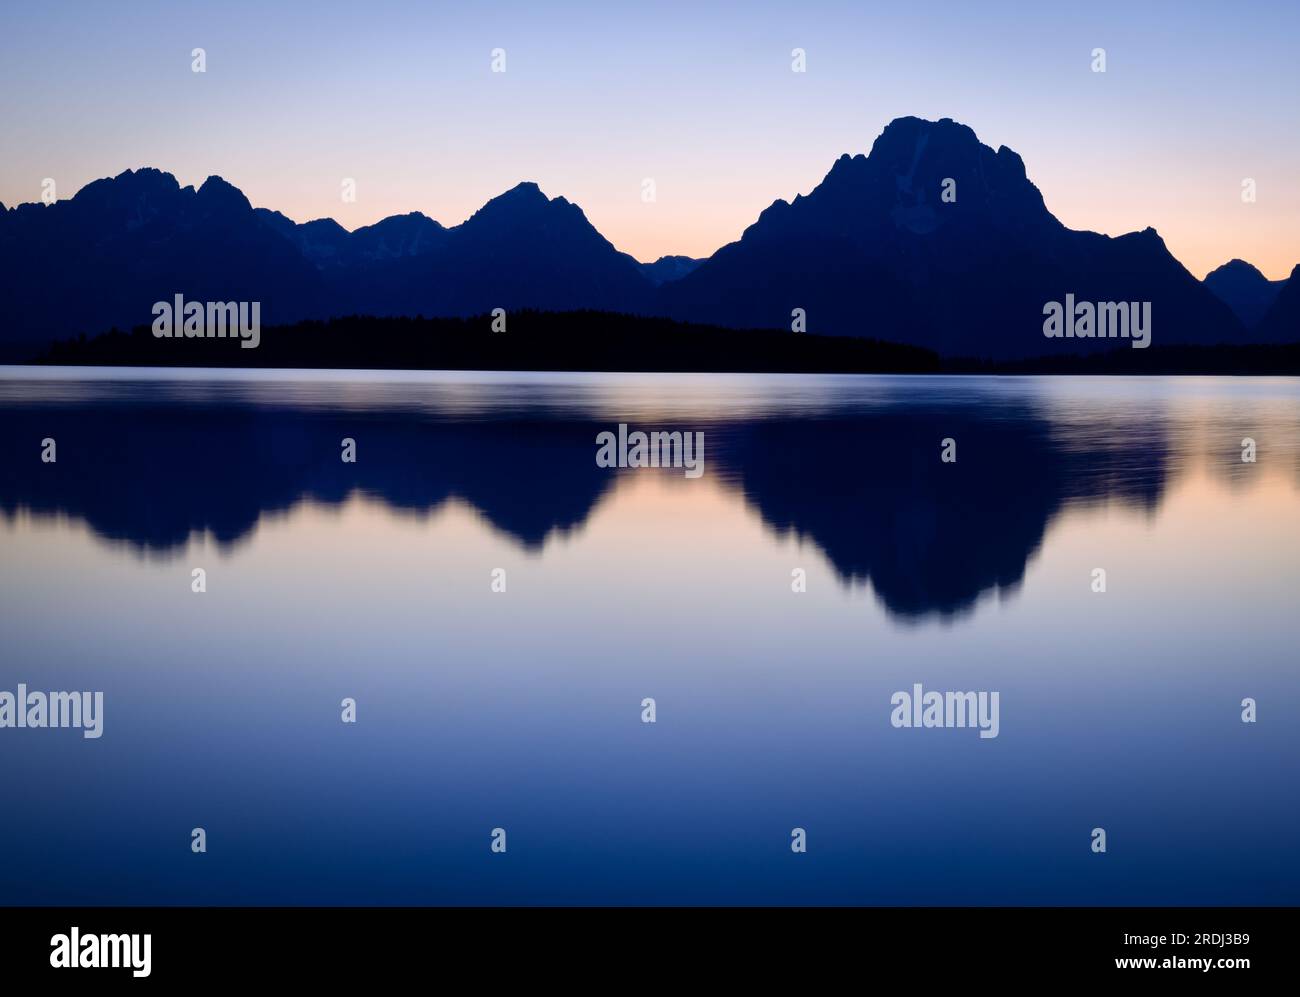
876	249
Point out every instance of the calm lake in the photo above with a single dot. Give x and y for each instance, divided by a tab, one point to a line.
522	709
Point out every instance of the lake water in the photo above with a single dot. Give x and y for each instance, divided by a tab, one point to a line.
522	709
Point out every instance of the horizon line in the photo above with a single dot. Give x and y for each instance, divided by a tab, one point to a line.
561	197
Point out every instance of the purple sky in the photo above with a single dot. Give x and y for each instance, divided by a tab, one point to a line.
699	97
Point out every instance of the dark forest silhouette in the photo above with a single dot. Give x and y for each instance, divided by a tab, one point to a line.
596	341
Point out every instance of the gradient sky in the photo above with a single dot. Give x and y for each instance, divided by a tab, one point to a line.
698	96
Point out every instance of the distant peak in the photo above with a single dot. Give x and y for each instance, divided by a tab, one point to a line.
412	219
1147	235
907	142
909	129
524	191
145	180
147	174
1236	267
522	199
217	191
325	225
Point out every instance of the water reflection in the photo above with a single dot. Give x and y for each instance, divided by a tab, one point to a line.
851	464
371	580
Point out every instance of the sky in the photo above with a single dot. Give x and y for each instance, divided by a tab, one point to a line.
597	97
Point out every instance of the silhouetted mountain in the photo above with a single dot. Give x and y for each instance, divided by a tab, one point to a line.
1281	324
105	256
321	241
396	237
328	244
874	250
1244	289
520	250
668	268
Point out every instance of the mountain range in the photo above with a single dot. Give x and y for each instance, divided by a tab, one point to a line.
1269	309
933	239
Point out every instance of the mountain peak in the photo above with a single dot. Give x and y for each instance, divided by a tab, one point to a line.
524	191
668	268
907	131
411	216
523	200
325	228
935	239
144	182
396	236
1245	290
525	204
148	175
217	193
412	222
1238	267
